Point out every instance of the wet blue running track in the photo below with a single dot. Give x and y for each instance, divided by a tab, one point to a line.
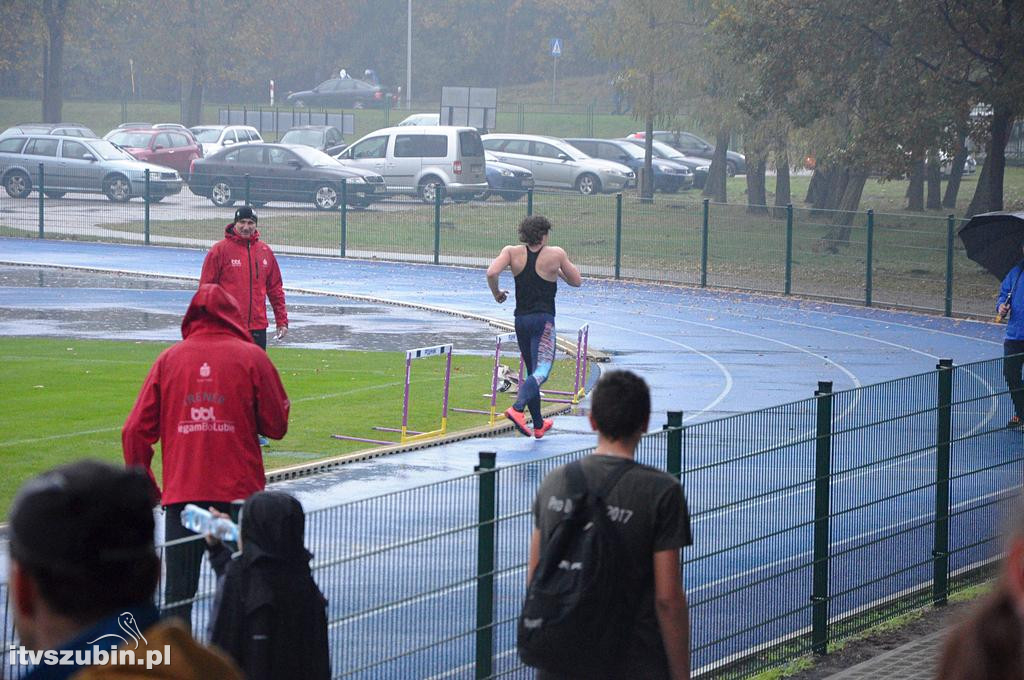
705	353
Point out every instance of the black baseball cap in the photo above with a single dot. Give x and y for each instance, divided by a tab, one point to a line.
246	213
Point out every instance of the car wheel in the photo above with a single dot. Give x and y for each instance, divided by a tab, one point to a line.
326	197
117	188
221	193
513	196
730	168
18	184
429	189
300	103
588	184
483	195
55	194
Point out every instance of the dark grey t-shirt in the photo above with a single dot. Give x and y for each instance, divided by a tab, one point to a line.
649	507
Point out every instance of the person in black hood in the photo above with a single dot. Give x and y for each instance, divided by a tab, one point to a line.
269	614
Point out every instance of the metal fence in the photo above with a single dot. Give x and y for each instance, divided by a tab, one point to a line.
898	260
812	520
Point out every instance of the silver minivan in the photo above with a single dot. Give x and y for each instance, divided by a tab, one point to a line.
423	160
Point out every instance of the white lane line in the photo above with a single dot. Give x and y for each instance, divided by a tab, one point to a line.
727	375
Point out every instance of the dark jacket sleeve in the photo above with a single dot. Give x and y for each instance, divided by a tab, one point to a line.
258	661
220	556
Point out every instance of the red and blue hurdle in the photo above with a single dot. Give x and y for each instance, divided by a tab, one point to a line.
409	436
492	412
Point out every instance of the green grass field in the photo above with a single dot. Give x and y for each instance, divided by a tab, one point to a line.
65	399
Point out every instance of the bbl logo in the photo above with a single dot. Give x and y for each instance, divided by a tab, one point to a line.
203	413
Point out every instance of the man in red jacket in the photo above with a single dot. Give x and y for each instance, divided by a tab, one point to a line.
206	399
247	268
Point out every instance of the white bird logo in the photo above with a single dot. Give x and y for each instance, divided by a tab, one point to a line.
126	622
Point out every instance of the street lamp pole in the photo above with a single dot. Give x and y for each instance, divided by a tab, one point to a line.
408	56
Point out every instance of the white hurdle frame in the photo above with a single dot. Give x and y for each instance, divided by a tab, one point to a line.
408	435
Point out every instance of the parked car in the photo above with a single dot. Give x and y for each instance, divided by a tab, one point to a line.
422	119
692	145
345	92
669	176
171	148
76	164
213	138
66	129
281	172
423	160
327	138
556	163
511	182
700	167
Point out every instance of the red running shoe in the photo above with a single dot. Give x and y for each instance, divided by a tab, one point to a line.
543	429
1015	424
518	419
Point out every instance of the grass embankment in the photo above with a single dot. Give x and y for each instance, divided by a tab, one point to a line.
66	399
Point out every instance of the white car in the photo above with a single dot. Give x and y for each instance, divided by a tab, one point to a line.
213	138
422	119
556	163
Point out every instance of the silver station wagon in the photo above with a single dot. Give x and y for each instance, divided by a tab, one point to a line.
77	165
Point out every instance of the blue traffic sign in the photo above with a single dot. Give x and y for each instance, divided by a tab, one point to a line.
556	47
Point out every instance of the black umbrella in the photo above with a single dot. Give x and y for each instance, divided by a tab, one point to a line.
993	240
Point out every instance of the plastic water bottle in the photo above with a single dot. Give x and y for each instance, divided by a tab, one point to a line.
201	521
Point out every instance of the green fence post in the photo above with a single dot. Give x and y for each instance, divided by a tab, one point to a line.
248	188
950	229
869	267
822	477
674	456
704	245
789	248
42	188
485	564
437	224
944	430
145	202
618	234
342	246
529	202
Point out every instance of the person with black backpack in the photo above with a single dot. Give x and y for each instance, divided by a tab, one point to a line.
605	596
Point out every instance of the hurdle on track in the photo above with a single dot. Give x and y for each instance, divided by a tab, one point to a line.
573	397
492	412
408	435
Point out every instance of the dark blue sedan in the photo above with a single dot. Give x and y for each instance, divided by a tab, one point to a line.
511	182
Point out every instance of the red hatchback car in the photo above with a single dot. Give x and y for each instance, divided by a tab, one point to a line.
171	148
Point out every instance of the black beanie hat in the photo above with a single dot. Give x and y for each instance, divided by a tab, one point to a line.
246	213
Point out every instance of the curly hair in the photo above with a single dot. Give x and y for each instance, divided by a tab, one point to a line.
532	229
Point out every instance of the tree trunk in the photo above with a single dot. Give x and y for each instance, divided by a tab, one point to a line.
817	187
647	188
915	190
53	60
988	196
956	174
839	234
715	188
838	177
757	198
934	175
783	194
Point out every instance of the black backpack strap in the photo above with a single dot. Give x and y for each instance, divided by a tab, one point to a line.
577	483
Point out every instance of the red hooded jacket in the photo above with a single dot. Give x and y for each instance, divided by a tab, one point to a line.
206	399
248	270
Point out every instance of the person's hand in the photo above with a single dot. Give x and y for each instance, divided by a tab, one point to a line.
210	538
501	296
1004	309
281	332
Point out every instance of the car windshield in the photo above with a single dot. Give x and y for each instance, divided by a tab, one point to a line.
633	150
307	137
315	157
132	140
663	150
206	134
108	151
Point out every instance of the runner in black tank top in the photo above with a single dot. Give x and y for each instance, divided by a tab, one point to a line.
534	314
